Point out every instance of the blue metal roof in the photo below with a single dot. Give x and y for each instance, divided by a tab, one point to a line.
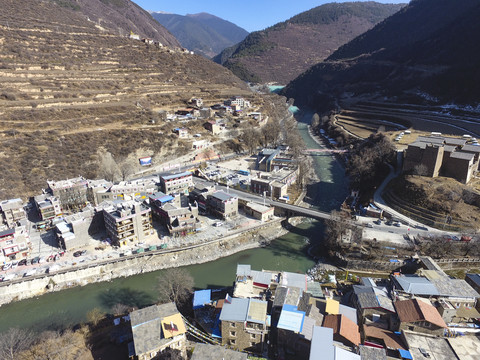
291	318
174	176
201	297
405	354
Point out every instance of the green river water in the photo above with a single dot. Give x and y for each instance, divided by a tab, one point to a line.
289	253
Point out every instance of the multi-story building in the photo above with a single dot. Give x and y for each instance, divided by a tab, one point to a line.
222	205
72	193
12	212
176	183
244	324
129	222
14	244
73	231
238	101
175	213
156	328
442	156
213	127
48	206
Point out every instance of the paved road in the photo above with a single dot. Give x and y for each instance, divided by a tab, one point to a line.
301	211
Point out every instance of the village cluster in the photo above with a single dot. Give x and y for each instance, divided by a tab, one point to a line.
284	315
73	211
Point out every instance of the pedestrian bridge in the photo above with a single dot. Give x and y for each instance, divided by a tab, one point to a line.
294	210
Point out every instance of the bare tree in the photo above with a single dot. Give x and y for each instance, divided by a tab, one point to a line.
119	309
13	342
271	132
126	168
334	228
94	316
175	284
250	137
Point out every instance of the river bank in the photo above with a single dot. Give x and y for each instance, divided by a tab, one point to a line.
147	262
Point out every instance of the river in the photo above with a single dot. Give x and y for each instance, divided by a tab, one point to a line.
69	307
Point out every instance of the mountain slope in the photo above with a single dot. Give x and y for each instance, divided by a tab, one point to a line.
121	17
285	50
203	33
429	46
69	89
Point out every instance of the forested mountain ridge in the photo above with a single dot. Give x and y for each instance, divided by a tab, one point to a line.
285	50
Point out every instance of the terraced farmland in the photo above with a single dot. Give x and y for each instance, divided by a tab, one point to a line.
68	88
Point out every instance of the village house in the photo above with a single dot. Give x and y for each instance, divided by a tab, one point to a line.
222	205
12	212
124	190
156	328
373	303
344	329
238	101
182	133
323	347
130	222
96	191
71	193
244	324
419	316
213	352
14	244
197	102
213	127
391	342
176	183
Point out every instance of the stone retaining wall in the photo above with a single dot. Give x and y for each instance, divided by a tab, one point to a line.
140	263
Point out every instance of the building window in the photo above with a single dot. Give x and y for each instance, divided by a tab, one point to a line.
233	325
233	333
253	336
252	344
233	342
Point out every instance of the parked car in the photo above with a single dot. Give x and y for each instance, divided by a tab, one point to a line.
77	253
369	225
378	222
7	266
389	222
35	260
22	262
397	224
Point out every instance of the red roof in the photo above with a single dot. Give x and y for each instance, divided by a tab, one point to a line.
414	310
343	327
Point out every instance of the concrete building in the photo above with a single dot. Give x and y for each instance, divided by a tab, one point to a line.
419	316
238	101
259	212
73	231
14	244
176	183
273	160
156	328
71	193
244	324
124	190
222	205
442	156
213	127
179	219
130	222
97	191
12	212
48	206
182	133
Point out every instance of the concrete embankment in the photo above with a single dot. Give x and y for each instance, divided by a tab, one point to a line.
137	264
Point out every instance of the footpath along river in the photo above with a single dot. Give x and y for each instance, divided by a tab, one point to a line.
68	307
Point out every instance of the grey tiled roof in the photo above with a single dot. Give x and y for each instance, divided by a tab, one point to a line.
147	328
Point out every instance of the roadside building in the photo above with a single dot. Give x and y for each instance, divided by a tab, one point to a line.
71	193
222	205
200	194
12	212
156	328
14	244
238	101
48	206
244	324
259	212
73	231
179	220
176	183
129	222
419	316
